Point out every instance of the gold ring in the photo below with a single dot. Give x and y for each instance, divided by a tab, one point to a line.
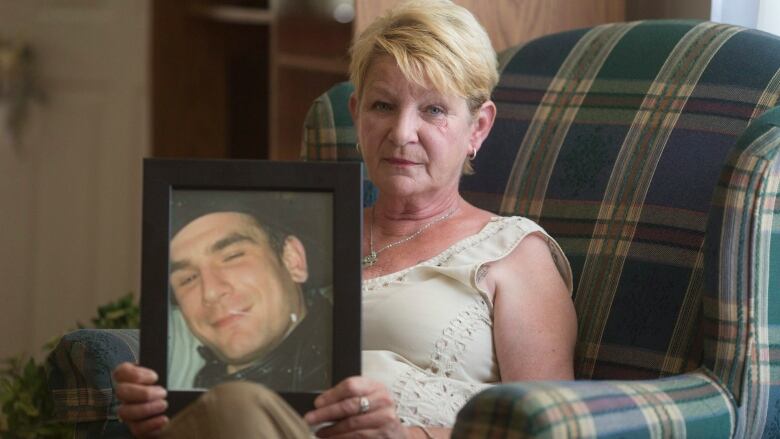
364	404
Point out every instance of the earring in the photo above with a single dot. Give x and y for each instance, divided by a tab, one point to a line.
473	154
357	147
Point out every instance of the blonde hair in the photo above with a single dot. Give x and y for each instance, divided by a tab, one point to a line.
433	42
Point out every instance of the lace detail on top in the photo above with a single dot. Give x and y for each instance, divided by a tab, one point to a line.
437	353
447	348
415	389
495	225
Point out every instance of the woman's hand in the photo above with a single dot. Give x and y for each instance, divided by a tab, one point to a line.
357	407
143	402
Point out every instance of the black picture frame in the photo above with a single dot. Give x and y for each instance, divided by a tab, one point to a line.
164	178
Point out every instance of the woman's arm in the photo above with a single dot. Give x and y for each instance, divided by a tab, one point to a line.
535	324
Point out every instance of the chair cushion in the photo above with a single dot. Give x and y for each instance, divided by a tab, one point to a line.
613	138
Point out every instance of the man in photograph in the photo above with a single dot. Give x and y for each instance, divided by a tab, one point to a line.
239	286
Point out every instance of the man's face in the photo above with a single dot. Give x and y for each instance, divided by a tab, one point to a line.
235	292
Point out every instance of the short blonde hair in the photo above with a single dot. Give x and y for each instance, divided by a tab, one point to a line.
433	42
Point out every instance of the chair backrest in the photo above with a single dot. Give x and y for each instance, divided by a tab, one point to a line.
614	139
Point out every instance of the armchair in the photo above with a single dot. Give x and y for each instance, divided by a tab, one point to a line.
650	151
628	143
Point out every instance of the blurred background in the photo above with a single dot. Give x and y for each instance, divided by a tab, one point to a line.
90	87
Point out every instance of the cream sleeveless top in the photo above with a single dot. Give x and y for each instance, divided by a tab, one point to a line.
427	329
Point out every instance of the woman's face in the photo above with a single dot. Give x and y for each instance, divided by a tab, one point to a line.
414	140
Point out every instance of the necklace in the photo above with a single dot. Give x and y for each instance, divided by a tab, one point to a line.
373	255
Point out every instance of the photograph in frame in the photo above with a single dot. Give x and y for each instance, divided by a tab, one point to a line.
244	276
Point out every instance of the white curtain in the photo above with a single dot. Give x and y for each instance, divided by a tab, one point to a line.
759	14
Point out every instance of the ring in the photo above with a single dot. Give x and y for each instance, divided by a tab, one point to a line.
364	404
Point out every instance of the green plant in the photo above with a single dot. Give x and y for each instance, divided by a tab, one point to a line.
26	406
26	403
120	314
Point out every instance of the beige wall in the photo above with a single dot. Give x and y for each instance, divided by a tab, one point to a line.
70	191
509	22
644	9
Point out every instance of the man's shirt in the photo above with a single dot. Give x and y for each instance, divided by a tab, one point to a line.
302	362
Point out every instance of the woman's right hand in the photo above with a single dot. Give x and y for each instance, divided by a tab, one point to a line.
143	403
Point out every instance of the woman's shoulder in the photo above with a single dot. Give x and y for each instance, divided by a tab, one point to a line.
513	225
486	217
533	247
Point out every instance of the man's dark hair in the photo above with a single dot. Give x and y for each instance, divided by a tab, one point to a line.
274	236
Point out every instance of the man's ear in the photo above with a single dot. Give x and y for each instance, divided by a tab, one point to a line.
294	259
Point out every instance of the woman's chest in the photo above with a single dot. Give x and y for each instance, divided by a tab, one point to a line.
437	323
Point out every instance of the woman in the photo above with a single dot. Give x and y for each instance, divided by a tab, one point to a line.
454	298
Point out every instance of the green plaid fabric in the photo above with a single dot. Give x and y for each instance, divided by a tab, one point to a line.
742	293
617	139
79	378
692	404
328	133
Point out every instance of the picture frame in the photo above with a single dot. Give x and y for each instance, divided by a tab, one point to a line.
213	227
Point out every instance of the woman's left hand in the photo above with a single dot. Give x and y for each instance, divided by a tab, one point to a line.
357	407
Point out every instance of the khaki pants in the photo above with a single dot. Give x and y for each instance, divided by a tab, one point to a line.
237	410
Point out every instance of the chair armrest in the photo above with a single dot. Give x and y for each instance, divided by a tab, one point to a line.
693	404
79	375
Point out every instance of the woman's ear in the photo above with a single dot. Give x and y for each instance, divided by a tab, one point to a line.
353	107
294	259
483	123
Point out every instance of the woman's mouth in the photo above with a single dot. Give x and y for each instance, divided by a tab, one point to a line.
399	162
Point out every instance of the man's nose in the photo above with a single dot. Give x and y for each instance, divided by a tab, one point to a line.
214	284
407	123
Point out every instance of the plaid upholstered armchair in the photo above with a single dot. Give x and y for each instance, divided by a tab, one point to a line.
650	151
628	143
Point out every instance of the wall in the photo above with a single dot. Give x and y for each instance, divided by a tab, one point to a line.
509	22
70	190
645	9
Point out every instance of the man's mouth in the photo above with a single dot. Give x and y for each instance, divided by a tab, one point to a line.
232	316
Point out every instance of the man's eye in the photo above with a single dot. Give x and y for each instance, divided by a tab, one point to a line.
186	280
232	256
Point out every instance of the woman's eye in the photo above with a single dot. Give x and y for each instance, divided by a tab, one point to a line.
435	110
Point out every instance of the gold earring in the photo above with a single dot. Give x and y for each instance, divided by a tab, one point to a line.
357	147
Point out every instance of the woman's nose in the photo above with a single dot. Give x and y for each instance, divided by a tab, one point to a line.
215	285
405	127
